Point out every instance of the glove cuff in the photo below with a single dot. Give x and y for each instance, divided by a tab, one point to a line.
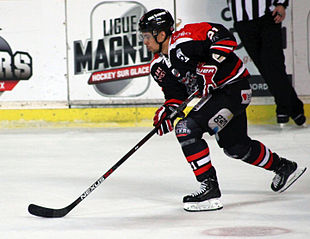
173	102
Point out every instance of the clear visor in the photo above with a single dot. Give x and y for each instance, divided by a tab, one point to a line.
145	36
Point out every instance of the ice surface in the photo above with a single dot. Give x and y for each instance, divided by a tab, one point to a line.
143	198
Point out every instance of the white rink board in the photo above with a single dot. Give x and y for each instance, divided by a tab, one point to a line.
47	32
301	32
37	28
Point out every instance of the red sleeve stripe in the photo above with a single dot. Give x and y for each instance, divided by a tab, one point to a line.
245	73
225	49
227	43
236	69
236	72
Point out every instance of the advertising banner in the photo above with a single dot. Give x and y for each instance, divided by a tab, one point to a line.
108	62
32	54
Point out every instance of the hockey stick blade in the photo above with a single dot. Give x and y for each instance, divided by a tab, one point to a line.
40	211
47	212
56	213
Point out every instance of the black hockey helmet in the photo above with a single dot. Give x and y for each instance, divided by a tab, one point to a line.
155	21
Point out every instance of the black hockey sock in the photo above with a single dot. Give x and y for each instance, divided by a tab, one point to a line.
261	156
198	156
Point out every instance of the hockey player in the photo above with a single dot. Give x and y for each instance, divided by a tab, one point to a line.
201	56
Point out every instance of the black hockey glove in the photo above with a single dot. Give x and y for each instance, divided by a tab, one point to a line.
162	118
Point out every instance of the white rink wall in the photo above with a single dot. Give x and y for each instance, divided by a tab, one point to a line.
50	49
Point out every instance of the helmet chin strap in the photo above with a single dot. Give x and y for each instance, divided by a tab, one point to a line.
160	43
160	47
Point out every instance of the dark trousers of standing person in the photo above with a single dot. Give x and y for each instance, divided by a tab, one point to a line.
262	39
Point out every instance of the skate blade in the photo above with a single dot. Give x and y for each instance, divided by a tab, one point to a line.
208	205
282	125
292	179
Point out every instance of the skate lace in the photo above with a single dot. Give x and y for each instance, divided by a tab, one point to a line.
203	187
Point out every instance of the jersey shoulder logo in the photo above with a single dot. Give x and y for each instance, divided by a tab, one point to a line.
181	56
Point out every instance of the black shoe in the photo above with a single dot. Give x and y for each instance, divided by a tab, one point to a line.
286	174
205	199
282	119
300	119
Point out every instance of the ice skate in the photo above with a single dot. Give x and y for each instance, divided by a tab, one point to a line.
300	120
287	173
205	199
282	120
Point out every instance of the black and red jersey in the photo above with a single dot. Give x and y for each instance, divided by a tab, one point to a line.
173	90
205	50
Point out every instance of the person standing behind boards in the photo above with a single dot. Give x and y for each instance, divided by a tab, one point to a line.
258	24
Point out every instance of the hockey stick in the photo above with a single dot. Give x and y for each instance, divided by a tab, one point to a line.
54	213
